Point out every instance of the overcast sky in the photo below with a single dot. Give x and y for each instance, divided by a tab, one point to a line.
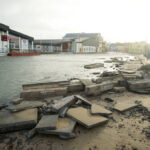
116	20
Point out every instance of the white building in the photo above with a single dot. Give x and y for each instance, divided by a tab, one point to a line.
85	42
12	41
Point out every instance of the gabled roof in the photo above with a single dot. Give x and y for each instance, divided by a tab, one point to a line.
79	35
5	28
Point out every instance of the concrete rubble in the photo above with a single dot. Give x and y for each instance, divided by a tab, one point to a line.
96	65
25	119
56	108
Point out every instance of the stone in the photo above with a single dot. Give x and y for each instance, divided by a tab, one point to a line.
83	100
97	109
124	106
65	126
34	94
47	122
92	66
98	88
25	105
17	101
25	119
84	117
66	101
119	89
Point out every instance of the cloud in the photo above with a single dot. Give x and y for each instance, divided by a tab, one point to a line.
116	20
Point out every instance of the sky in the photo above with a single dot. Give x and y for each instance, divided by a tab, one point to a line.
116	20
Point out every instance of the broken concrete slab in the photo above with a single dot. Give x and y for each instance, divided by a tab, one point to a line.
17	101
137	84
25	105
95	65
127	71
97	109
66	101
75	87
86	82
50	100
109	73
124	106
65	126
98	88
47	85
34	94
62	111
84	117
25	119
84	100
47	122
119	89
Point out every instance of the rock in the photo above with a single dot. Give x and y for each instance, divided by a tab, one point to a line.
66	101
34	94
17	101
85	118
25	105
47	122
124	106
96	65
83	100
119	89
25	119
98	88
65	126
97	109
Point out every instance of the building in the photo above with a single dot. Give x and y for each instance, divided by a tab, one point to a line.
14	42
85	42
53	45
72	42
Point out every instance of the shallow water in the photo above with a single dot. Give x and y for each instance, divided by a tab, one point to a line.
15	71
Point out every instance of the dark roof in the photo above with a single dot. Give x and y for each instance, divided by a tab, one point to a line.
5	28
77	35
51	41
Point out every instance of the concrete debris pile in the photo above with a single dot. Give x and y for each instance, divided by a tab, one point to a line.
57	117
55	108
